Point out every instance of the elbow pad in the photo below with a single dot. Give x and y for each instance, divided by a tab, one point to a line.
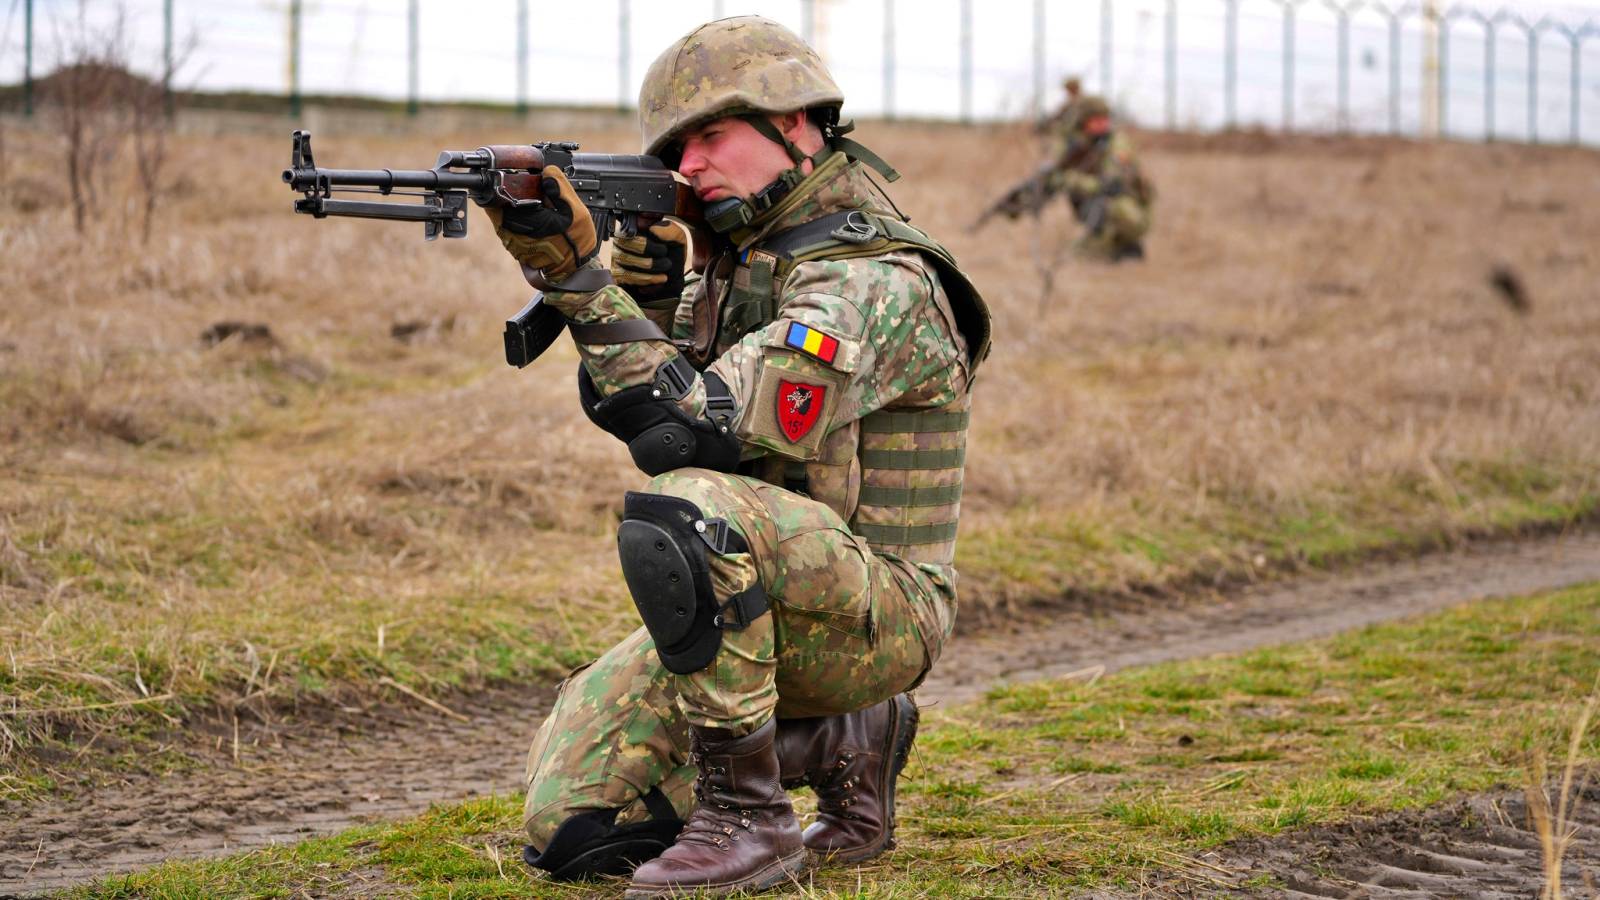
659	434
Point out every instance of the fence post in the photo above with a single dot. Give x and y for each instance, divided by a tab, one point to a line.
166	56
1576	39
522	57
1172	65
624	26
1488	75
27	59
414	18
1288	63
1230	64
294	58
1442	88
966	61
1532	37
1533	84
888	59
1394	70
1105	49
1343	13
1038	59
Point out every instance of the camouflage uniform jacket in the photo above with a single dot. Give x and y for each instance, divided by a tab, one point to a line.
857	387
1112	160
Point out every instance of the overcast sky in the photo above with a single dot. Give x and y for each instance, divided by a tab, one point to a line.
469	51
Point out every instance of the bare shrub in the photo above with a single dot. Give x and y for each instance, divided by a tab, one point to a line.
83	95
101	108
151	109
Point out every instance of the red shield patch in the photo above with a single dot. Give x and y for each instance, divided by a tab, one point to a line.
799	408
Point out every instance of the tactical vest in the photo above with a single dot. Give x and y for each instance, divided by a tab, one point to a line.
894	475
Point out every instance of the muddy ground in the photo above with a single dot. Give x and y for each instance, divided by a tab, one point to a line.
1484	847
283	782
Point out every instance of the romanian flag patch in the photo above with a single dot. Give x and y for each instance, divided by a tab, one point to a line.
811	341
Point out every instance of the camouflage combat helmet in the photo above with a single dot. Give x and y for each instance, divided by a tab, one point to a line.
1093	116
747	64
1091	106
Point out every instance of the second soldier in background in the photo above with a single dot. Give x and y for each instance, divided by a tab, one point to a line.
1097	169
1092	163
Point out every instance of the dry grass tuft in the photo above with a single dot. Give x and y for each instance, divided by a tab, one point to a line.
1554	823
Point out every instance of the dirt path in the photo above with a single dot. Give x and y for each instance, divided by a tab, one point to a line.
1123	635
392	762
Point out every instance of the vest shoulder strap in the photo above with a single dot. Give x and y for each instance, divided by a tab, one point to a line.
853	234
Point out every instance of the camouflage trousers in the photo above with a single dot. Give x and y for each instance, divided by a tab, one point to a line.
1126	223
847	628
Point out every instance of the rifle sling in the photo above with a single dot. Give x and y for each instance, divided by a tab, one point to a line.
622	332
583	281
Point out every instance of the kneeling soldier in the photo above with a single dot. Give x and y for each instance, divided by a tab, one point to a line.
1100	173
802	408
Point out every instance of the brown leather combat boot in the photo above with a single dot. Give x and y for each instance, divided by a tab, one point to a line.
851	762
742	834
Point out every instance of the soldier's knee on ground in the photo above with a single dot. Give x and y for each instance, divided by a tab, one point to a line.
1128	219
589	844
613	732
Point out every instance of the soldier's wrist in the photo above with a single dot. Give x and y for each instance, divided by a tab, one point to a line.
573	292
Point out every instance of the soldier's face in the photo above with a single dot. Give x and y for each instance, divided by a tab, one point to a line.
728	158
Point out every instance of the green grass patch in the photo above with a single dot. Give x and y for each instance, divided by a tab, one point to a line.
1081	805
1033	553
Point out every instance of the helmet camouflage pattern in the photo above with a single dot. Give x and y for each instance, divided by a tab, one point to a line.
747	64
1092	107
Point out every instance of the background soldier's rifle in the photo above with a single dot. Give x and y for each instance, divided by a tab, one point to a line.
622	193
1028	196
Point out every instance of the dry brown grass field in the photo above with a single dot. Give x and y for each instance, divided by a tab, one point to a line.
1313	364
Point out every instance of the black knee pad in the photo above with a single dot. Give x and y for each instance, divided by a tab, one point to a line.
591	845
663	542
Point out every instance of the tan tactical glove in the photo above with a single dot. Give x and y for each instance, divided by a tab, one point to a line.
649	265
557	236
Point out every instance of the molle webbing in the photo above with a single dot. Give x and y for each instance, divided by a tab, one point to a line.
911	466
907	535
907	460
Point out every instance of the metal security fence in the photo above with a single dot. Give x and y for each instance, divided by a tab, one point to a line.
1525	71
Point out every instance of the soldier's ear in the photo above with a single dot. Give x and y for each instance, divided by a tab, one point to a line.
792	125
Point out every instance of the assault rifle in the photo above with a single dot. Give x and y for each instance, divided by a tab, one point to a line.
1030	195
623	194
1027	196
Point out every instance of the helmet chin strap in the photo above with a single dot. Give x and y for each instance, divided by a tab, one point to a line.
726	215
736	212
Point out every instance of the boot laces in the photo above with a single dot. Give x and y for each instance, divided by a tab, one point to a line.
709	823
835	796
